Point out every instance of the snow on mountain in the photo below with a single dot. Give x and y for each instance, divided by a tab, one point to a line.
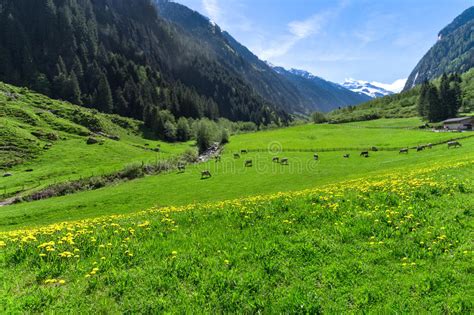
395	87
374	89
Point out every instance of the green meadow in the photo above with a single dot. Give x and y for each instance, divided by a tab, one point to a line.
399	242
390	233
232	180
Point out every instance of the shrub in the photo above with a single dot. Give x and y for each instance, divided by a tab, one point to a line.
224	136
318	117
132	171
190	156
203	135
183	131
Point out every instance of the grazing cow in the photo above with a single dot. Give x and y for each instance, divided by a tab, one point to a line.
276	159
181	168
364	154
420	148
284	161
429	146
403	151
205	174
346	156
244	151
316	157
454	144
217	158
236	156
248	163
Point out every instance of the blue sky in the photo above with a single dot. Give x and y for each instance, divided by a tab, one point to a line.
336	39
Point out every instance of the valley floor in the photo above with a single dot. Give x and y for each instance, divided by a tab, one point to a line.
390	233
392	243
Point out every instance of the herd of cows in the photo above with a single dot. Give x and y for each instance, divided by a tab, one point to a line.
284	161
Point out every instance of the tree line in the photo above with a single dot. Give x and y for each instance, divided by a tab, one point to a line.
437	104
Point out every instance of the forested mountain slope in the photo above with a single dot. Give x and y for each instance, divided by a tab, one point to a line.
453	52
290	91
120	57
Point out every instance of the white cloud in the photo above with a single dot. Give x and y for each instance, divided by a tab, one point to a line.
212	9
308	27
297	31
395	87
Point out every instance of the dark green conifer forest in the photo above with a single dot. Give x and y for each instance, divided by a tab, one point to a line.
120	57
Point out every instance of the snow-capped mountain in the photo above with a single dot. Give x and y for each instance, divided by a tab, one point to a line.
366	88
320	94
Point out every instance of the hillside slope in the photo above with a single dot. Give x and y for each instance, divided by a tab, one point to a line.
295	93
121	57
453	52
44	141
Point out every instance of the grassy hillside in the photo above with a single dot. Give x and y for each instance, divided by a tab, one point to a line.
397	243
400	105
48	138
232	180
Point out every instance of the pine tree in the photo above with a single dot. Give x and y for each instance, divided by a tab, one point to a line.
75	90
61	66
423	100
103	97
456	94
434	109
445	98
41	84
77	67
121	105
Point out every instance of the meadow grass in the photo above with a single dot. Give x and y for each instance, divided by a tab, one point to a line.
394	243
230	180
73	159
324	136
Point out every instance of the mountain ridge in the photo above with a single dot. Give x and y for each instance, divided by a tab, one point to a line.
276	87
453	51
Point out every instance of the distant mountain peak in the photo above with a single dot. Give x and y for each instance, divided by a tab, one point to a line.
364	87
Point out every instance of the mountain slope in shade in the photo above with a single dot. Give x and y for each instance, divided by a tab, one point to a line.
237	58
367	88
291	91
320	94
453	52
121	56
